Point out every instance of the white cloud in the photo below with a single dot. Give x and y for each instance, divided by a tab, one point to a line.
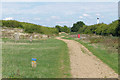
80	17
44	25
9	18
63	22
47	19
86	15
37	19
70	12
59	0
55	17
97	14
66	11
89	23
102	16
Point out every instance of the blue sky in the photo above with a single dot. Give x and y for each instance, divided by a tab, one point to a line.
59	0
60	13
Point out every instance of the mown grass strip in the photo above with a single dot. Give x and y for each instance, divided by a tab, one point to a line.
52	59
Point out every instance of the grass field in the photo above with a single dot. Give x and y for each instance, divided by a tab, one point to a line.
52	59
110	58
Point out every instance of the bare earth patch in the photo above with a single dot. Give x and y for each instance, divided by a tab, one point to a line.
13	43
86	65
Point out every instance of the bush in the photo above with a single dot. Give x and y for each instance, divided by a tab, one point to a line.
62	29
11	23
29	27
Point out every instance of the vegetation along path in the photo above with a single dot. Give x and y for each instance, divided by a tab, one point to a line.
86	65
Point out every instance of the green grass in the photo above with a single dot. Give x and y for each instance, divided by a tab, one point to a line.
52	59
70	38
111	59
82	50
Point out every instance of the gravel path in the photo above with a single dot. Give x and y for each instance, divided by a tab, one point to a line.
86	65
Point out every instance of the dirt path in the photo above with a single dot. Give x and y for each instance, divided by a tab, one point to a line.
86	65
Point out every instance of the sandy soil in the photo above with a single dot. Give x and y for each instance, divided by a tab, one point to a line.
86	65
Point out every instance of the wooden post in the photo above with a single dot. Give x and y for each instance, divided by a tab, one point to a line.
34	64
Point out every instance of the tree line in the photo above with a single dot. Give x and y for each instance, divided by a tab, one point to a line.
62	29
99	29
78	27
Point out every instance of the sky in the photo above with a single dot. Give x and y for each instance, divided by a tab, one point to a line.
60	13
119	9
59	0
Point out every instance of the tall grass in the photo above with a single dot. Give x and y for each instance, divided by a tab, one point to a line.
111	59
106	49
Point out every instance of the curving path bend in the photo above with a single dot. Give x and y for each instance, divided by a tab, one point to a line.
86	65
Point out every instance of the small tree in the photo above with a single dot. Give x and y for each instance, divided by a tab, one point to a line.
58	28
77	26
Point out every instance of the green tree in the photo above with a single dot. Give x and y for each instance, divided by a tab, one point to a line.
66	29
102	29
77	26
62	29
118	28
82	29
58	28
113	28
